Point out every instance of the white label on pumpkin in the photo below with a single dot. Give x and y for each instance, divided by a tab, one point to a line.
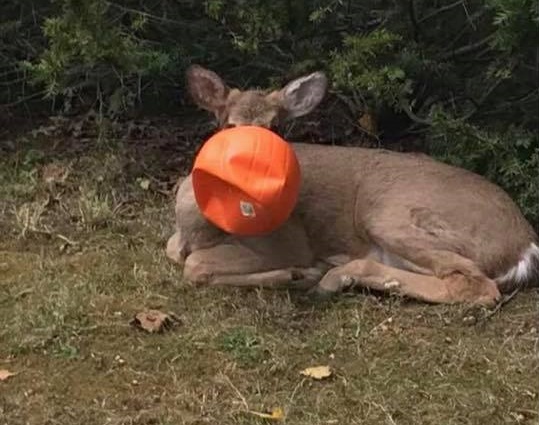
247	209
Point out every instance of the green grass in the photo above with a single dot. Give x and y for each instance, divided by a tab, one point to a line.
80	258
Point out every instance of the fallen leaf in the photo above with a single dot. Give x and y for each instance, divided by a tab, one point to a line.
144	184
55	173
277	414
5	374
153	321
367	121
317	372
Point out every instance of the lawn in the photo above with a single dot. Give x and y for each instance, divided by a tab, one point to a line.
83	225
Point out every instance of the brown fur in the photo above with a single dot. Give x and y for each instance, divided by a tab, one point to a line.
379	219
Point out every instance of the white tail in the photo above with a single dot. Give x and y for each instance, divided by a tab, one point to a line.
524	271
384	220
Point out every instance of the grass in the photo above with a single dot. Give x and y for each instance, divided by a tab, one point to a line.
79	257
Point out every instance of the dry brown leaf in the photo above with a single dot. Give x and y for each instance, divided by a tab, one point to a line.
277	414
5	374
153	321
368	122
317	372
55	173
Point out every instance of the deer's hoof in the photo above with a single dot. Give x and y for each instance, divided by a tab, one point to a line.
321	294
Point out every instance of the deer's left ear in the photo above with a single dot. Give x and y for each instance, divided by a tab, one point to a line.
302	95
206	88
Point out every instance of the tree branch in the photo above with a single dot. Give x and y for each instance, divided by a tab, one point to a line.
413	18
439	11
184	24
23	99
466	49
487	93
408	111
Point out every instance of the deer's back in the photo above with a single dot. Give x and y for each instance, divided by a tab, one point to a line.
352	198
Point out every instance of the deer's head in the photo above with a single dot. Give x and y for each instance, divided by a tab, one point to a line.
233	107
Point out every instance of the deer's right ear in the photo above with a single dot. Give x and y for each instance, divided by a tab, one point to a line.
301	96
206	88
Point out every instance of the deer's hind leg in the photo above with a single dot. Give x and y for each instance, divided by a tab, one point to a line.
454	287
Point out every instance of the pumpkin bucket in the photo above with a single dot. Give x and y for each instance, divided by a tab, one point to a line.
246	180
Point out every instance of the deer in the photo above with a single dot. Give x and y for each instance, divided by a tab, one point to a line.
371	218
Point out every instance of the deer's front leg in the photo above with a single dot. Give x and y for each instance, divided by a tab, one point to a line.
292	278
175	250
242	266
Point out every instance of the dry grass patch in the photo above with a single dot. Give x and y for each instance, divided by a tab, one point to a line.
74	271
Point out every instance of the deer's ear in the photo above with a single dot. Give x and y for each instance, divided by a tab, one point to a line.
206	88
302	95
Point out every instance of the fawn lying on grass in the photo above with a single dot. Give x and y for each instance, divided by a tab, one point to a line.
384	220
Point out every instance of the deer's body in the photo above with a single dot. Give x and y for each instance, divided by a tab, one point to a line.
368	190
380	219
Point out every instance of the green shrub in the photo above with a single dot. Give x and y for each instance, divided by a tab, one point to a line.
476	61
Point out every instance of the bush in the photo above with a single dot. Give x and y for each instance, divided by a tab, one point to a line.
462	76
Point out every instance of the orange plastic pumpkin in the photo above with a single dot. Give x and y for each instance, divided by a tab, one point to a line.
246	180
